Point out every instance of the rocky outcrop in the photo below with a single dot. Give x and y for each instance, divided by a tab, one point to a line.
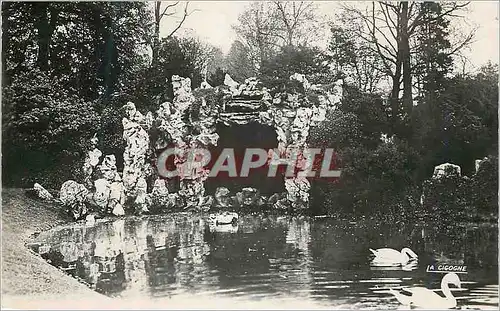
189	122
117	197
136	137
73	196
446	170
249	196
42	193
192	188
91	160
160	195
222	197
142	200
298	191
478	163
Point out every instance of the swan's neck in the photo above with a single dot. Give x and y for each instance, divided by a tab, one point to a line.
447	292
404	257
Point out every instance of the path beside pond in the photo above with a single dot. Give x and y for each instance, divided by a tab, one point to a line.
27	280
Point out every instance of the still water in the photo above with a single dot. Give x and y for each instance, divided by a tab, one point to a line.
268	258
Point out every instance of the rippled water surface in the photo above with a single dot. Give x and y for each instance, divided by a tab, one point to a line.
321	260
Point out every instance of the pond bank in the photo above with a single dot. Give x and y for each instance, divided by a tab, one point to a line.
27	280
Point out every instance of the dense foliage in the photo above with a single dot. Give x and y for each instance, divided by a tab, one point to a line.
68	68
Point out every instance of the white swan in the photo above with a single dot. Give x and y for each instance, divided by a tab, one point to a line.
391	257
424	298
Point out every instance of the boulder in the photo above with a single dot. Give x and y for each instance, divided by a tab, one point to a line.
446	170
228	81
101	194
222	197
116	197
142	200
41	192
159	194
250	196
91	160
192	191
282	204
207	203
72	195
298	189
183	97
478	163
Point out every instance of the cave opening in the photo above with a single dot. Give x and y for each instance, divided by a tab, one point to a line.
240	137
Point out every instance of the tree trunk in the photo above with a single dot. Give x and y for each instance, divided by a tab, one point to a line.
43	34
156	39
394	98
405	56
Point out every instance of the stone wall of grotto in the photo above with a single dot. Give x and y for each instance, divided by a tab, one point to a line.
189	121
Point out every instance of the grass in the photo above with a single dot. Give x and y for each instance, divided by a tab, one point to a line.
25	276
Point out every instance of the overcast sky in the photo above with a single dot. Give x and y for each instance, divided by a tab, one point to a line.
212	22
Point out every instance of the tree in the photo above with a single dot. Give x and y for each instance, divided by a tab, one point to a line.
258	31
44	129
266	27
297	21
239	62
169	10
276	72
217	78
460	124
353	61
60	81
91	44
390	29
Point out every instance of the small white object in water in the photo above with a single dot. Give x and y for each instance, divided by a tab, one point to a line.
224	218
422	297
391	257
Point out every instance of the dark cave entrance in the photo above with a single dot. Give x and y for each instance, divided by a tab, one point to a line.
240	137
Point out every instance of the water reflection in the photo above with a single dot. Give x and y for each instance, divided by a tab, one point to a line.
269	257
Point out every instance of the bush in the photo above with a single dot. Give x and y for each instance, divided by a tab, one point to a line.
484	193
373	182
45	129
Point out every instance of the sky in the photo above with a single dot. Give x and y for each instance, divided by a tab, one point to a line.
212	21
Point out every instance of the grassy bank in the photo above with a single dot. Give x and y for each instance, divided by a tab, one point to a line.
26	278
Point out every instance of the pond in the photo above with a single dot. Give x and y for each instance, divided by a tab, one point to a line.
270	258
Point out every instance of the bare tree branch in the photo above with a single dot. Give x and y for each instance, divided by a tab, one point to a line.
184	16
